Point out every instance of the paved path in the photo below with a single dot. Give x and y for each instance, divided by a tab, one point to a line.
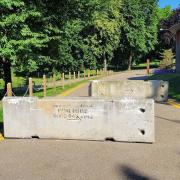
91	160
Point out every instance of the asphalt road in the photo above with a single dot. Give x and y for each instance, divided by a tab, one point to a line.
92	160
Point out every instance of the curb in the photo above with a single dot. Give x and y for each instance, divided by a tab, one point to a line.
174	103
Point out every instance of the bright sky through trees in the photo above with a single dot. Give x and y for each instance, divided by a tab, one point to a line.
173	3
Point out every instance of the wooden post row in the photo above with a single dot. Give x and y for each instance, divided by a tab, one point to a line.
54	82
74	75
84	74
9	89
63	80
97	72
78	74
89	75
44	85
148	66
30	87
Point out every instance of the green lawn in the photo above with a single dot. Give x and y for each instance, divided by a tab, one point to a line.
59	90
153	64
174	83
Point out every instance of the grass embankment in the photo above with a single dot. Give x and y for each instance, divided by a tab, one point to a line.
174	83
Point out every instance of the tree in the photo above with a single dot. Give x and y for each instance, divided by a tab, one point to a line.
167	18
21	36
164	13
91	34
139	31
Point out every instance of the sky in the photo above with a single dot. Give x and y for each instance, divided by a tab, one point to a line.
173	3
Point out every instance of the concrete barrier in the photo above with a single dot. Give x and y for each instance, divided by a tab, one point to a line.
158	90
79	118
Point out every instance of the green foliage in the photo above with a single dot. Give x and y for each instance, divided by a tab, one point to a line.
167	59
139	31
87	38
164	13
51	36
18	37
24	35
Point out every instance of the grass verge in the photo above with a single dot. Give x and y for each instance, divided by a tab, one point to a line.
18	81
153	64
174	83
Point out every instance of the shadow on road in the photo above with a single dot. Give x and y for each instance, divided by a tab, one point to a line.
170	120
138	78
132	174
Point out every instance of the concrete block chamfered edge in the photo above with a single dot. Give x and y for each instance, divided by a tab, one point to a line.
156	89
130	120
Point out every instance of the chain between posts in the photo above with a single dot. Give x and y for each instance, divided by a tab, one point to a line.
38	89
14	94
43	87
26	92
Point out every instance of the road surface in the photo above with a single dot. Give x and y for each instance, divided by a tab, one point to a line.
36	159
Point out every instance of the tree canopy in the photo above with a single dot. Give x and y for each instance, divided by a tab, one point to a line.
52	35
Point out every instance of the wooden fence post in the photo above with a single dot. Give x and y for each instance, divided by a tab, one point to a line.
30	87
89	75
44	85
148	66
78	75
9	89
74	75
54	82
69	75
84	74
63	80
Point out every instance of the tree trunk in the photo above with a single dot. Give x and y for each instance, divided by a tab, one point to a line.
130	60
7	74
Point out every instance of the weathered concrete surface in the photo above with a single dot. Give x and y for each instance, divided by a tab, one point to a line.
79	118
158	90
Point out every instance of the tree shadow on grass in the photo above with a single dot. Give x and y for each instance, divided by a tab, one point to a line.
132	174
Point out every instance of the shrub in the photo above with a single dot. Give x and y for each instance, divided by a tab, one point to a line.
167	59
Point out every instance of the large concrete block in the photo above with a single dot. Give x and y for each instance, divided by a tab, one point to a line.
79	118
158	90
